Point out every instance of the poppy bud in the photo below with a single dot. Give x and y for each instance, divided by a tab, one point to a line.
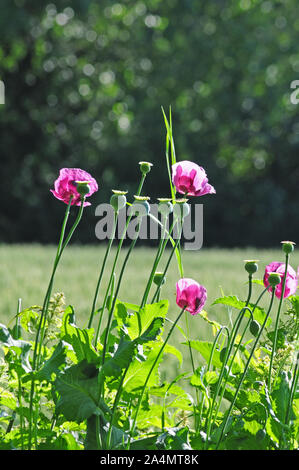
251	266
254	327
118	200
159	279
165	206
83	188
141	207
288	247
181	208
274	279
145	167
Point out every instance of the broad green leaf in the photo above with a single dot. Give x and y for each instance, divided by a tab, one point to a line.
138	371
139	322
169	349
78	390
280	396
53	364
151	416
7	399
259	313
80	340
118	438
205	349
174	439
20	348
122	357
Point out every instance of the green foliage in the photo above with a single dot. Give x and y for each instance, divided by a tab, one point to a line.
88	79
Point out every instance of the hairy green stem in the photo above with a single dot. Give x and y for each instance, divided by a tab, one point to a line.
115	261
293	389
168	261
245	371
133	243
93	308
42	323
277	322
151	370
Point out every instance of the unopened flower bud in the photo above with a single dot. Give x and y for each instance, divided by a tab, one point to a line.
251	266
145	167
288	247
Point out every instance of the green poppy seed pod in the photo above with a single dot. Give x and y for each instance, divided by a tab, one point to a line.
274	279
159	279
254	327
83	188
165	206
288	247
181	208
251	266
140	207
223	353
145	167
118	201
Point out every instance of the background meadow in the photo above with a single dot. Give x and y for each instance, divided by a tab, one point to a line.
24	273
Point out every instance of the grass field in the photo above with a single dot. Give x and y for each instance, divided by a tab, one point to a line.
25	271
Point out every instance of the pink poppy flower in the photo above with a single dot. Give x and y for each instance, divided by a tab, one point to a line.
191	179
191	295
291	279
66	185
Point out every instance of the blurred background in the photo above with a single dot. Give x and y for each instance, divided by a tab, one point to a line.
84	85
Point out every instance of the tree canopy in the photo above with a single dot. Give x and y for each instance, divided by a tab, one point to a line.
84	85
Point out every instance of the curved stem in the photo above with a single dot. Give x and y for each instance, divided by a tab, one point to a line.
161	248
151	370
232	359
115	404
49	289
93	308
58	257
210	361
168	262
116	293
245	371
277	323
196	407
293	390
115	262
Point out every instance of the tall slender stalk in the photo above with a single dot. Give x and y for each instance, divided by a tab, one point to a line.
151	370
116	259
133	243
277	322
93	308
245	371
42	323
237	349
293	389
161	248
168	261
214	345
